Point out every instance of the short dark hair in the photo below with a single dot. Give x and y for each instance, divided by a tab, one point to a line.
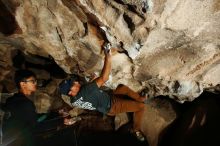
65	85
22	75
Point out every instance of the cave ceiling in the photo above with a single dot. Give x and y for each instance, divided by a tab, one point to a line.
164	47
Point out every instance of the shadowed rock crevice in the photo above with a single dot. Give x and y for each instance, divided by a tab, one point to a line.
129	22
8	24
21	60
197	123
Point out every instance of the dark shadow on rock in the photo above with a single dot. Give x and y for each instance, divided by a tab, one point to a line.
8	24
197	125
21	60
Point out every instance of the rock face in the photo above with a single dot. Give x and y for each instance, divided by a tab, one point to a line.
197	124
163	47
159	114
167	47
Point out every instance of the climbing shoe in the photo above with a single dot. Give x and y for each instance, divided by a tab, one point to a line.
139	136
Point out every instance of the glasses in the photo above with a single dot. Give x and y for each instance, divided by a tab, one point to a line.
31	81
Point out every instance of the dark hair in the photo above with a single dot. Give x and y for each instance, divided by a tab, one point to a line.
21	75
65	85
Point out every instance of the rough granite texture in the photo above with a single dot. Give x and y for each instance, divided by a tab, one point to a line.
163	47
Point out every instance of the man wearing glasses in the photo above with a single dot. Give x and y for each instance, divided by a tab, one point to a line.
23	117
